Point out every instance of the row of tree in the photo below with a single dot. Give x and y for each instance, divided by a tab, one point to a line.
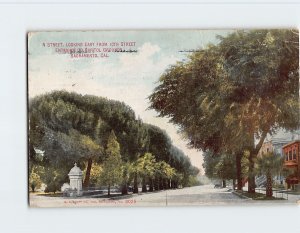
157	175
223	167
104	137
226	98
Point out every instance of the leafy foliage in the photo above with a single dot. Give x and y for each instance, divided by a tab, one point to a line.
111	173
227	95
70	128
35	181
220	166
54	178
146	166
96	170
269	164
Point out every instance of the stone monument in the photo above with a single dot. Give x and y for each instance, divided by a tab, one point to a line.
75	176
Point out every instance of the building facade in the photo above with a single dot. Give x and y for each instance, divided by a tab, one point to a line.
291	153
273	145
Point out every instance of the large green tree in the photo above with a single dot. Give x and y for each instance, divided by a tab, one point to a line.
263	71
164	174
219	166
146	169
139	144
70	127
35	181
269	165
228	97
111	173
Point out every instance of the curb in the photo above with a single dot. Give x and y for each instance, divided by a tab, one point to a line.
241	195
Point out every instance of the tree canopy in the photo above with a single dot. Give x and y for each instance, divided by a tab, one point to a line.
229	95
70	127
111	173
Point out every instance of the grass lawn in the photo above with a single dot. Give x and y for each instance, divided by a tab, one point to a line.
259	196
56	194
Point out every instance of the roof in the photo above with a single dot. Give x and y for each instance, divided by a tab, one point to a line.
75	170
284	135
291	143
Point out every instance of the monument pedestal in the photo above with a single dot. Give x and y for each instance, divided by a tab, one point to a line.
75	176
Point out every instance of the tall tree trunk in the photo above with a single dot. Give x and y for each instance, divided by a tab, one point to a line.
253	154
176	184
124	189
172	184
238	160
251	175
166	183
135	184
161	184
151	185
224	183
156	184
86	182
108	190
144	187
269	192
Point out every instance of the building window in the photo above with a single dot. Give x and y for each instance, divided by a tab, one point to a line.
294	154
286	157
290	155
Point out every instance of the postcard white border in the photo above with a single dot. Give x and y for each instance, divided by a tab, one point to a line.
17	19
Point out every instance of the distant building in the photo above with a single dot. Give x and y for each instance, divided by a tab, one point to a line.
274	144
291	153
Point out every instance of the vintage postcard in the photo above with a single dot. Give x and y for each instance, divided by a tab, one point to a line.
163	118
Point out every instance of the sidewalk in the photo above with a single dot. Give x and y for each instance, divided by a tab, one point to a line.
290	197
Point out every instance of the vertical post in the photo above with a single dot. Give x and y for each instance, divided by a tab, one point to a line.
166	197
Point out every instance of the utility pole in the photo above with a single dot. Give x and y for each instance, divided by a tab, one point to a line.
166	197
